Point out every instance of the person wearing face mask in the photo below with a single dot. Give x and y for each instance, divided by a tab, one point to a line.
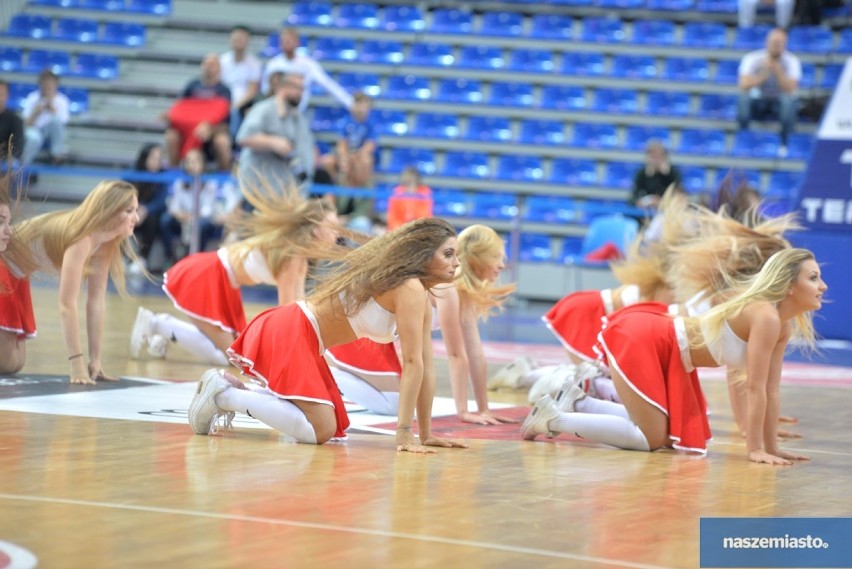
276	139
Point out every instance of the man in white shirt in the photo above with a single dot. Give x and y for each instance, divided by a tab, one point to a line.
241	73
46	113
768	80
289	61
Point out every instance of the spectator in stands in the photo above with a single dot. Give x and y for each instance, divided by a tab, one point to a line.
11	128
200	118
216	200
410	200
768	80
46	112
354	157
241	73
652	180
152	203
289	61
276	139
783	11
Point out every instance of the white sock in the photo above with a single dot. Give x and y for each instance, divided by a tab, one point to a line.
608	429
600	407
280	414
188	337
529	379
605	389
361	392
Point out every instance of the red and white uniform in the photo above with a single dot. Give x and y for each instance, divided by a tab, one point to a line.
650	350
366	357
16	304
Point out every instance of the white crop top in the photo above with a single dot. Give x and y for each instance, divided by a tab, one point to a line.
254	266
729	350
373	322
629	295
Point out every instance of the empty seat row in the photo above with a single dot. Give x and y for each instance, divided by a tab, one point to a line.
147	7
87	65
78	97
77	30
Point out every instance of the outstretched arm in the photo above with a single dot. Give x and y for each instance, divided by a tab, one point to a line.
447	301
70	279
96	286
410	308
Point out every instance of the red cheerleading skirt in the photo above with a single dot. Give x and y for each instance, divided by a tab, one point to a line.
199	287
281	348
643	347
364	356
576	321
16	304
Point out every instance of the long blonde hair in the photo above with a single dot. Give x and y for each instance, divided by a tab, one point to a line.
17	255
771	284
384	263
58	230
477	246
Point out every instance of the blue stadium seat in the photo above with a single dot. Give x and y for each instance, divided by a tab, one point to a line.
616	100
637	137
634	66
602	30
670	5
367	83
512	94
127	34
450	203
402	19
76	30
535	248
551	209
727	71
701	141
460	91
95	65
694	178
844	44
389	122
491	205
580	63
431	54
718	106
326	119
756	144
751	38
621	4
481	57
620	174
408	87
57	61
272	47
705	35
654	32
552	27
591	135
784	184
499	23
830	75
358	16
717	6
736	177
563	97
310	13
17	94
466	165
808	76
154	7
542	131
107	5
335	49
800	146
520	168
56	3
436	125
78	98
11	59
686	69
31	26
570	249
574	172
668	103
451	21
421	158
810	39
571	2
381	51
489	129
532	61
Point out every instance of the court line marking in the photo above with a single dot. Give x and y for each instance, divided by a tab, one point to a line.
796	449
333	527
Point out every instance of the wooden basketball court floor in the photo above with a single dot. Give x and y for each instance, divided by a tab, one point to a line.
115	478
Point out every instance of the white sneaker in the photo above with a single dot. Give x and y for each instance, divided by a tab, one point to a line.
568	396
140	332
536	422
203	411
509	376
586	372
158	345
551	383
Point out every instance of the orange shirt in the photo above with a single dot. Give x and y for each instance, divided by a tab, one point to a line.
405	206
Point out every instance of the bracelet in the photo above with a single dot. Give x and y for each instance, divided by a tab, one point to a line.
75	356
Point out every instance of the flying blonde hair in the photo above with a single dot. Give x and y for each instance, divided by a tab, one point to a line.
384	263
17	255
58	230
478	246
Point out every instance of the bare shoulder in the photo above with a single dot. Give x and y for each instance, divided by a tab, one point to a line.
763	318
